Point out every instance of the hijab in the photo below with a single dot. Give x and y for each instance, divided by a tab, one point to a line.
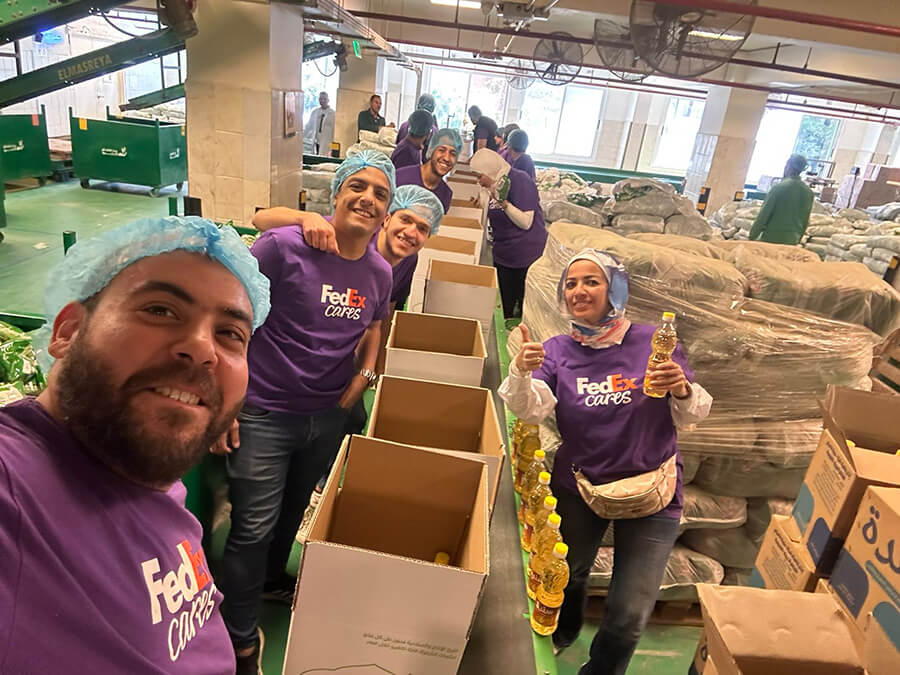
492	165
612	328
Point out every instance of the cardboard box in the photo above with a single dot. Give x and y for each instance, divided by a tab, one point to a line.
464	189
467	210
469	229
752	631
367	591
701	656
438	348
467	291
839	475
438	247
866	577
447	418
783	563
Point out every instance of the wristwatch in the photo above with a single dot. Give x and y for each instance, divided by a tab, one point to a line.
370	375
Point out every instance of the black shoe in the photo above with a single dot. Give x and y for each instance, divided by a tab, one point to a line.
281	591
251	664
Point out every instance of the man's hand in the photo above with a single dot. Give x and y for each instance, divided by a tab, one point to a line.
669	376
221	445
353	392
319	233
531	355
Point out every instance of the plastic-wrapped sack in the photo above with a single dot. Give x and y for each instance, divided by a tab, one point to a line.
684	570
627	223
680	243
322	208
764	249
786	443
760	511
317	180
737	576
330	167
318	194
691	463
565	210
882	254
732	548
888	211
755	477
705	510
689	226
860	251
852	214
889	243
818	249
845	241
820	220
878	267
648	197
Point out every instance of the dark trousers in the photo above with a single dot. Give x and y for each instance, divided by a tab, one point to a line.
270	479
642	548
356	424
512	289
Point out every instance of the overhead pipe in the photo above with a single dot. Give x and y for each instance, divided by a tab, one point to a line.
750	63
787	15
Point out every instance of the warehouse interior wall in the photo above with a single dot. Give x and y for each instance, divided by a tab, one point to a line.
355	88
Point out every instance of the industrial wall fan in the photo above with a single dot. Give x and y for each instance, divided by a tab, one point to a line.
686	41
558	59
613	42
518	75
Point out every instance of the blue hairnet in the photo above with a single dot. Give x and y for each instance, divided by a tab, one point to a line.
366	158
444	137
91	264
426	102
518	140
420	123
616	277
420	201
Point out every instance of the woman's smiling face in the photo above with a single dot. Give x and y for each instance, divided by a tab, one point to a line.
587	292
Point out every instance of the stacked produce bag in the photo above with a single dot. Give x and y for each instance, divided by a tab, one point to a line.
317	183
766	330
645	205
567	187
385	141
20	374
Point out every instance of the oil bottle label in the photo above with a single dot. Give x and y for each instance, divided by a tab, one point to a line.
543	614
534	579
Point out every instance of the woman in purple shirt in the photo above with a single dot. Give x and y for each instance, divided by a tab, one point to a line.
516	145
516	224
593	379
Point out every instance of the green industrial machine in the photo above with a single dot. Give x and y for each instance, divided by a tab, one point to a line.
25	149
129	150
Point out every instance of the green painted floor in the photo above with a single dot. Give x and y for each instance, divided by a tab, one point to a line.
36	220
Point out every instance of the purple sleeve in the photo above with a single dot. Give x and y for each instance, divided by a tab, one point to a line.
547	371
481	133
527	165
383	311
402	131
445	194
265	250
680	358
523	191
10	533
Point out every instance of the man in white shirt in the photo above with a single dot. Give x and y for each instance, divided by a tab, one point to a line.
321	126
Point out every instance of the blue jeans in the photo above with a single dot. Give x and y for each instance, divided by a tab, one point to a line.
270	479
642	548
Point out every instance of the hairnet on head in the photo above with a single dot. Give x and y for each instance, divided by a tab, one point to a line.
361	160
615	274
420	123
91	264
420	201
518	140
444	137
797	163
426	102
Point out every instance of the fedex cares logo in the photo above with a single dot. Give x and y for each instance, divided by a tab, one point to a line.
348	304
614	390
187	592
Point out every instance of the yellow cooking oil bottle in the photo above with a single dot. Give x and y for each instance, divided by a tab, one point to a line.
442	558
540	521
542	552
514	437
530	478
663	342
551	592
528	444
535	502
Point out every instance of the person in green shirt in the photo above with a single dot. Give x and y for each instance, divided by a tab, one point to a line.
784	215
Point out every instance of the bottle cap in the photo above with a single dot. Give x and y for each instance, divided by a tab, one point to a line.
850	444
668	316
442	558
560	550
544	478
550	502
553	520
539	454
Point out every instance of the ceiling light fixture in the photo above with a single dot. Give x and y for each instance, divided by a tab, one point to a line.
727	37
463	4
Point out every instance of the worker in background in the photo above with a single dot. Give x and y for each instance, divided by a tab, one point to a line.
321	126
504	141
441	155
146	351
426	103
607	438
370	119
309	366
516	221
410	150
517	144
485	130
784	215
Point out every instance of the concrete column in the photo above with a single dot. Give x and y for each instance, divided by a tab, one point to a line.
855	146
357	84
618	112
637	131
242	67
724	145
655	107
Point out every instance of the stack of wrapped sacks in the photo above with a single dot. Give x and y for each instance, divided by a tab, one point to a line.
567	187
765	348
384	141
317	184
646	205
735	219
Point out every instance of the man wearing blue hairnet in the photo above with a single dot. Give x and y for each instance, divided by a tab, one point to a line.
103	569
309	366
516	145
440	160
426	102
410	150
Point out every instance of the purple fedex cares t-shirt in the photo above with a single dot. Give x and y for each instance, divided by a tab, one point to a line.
609	428
412	175
301	358
97	574
403	275
513	246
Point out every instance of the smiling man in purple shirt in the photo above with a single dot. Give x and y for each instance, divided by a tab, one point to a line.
443	150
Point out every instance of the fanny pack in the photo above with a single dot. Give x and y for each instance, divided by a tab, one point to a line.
634	497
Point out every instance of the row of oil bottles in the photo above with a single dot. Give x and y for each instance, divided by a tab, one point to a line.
548	571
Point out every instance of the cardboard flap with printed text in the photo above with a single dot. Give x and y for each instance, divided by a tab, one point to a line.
871	420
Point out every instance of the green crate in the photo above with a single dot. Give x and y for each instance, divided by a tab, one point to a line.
25	149
2	208
140	152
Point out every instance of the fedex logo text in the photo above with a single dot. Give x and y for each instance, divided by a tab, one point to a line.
615	390
348	304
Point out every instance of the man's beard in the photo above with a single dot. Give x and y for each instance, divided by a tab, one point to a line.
104	418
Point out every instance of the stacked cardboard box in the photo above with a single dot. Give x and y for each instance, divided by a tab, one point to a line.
466	291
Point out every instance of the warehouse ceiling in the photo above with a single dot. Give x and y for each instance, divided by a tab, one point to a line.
787	56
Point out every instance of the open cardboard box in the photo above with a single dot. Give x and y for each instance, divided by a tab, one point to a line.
438	348
437	247
783	563
463	208
464	188
470	229
446	418
839	474
467	291
752	631
367	590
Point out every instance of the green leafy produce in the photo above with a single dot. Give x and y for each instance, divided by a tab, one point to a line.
627	192
19	365
9	332
10	393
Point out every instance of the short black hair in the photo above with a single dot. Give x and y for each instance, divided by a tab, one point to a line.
373	97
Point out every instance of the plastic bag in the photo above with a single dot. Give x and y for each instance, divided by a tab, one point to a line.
764	249
689	226
732	548
705	510
737	576
760	511
630	223
754	477
679	243
11	392
646	197
565	210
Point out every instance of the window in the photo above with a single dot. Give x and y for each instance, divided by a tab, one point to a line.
676	140
561	120
315	82
816	139
450	89
541	109
488	92
783	132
